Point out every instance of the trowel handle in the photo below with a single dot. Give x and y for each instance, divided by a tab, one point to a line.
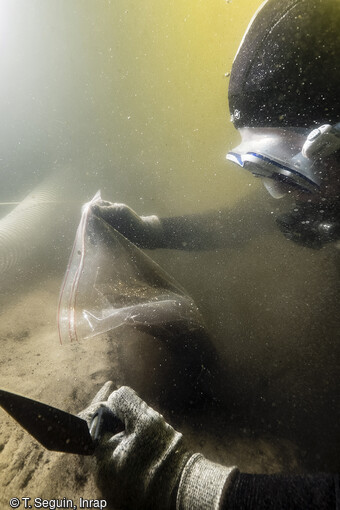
104	421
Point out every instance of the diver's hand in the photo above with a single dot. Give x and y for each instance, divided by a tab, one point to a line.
140	467
98	401
145	231
147	466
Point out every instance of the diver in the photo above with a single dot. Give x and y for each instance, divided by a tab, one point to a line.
284	101
148	466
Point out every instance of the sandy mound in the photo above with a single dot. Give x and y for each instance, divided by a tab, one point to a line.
34	364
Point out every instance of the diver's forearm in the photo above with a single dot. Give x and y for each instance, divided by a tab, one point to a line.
226	228
281	492
193	232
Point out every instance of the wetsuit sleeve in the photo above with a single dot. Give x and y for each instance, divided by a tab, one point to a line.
280	492
226	228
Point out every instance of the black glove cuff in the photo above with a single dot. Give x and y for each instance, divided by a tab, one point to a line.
280	492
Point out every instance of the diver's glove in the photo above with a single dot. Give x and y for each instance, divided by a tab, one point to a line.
98	401
144	231
148	466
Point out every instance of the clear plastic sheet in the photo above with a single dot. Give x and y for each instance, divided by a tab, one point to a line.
109	282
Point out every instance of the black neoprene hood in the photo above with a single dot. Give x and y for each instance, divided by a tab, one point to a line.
287	71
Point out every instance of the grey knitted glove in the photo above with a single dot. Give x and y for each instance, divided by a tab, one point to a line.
147	466
98	401
140	467
141	230
203	484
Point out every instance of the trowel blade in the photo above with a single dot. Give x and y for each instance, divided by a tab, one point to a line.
54	429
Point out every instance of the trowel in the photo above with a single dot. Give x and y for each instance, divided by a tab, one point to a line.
58	430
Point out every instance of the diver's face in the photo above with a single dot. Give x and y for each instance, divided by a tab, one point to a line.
274	155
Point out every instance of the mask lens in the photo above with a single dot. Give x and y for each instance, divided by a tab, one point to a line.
287	179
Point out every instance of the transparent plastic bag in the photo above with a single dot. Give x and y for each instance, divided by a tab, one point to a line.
109	282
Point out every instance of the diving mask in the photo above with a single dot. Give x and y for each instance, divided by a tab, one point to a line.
286	158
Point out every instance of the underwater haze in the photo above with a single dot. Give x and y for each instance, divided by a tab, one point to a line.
128	99
131	98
